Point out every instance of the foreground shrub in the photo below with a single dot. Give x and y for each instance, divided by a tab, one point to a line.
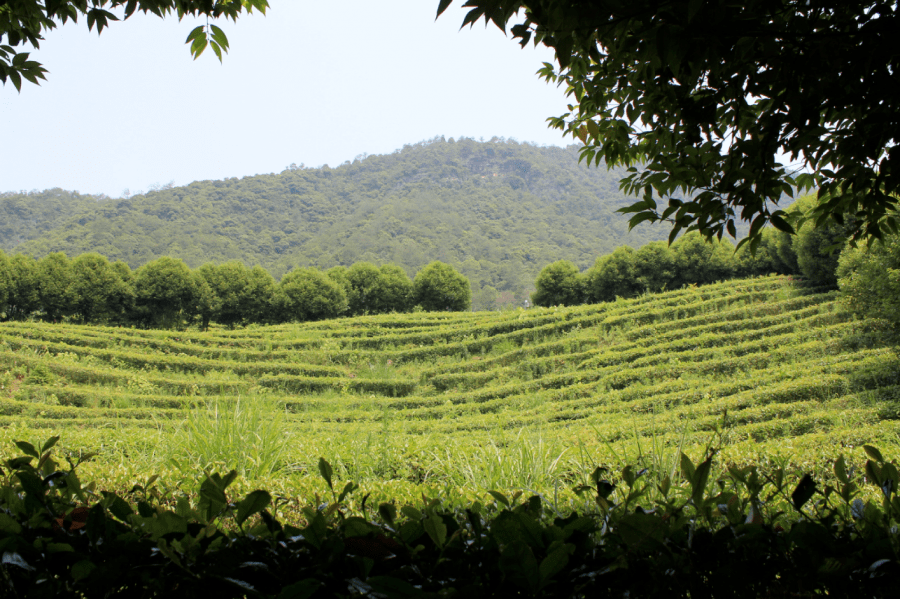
674	533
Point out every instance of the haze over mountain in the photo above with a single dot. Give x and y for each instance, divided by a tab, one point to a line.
498	211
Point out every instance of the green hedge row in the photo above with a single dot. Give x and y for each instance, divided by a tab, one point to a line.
97	375
298	384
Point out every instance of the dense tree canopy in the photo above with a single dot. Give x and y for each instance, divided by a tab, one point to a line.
24	291
165	292
869	279
307	294
558	284
55	279
25	22
612	276
6	282
702	98
440	287
94	284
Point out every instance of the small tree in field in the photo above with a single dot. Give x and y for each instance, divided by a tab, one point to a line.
613	276
440	287
559	284
308	294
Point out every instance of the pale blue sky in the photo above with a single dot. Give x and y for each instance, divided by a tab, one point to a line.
311	82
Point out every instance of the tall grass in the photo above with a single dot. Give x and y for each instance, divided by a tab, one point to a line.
527	462
250	436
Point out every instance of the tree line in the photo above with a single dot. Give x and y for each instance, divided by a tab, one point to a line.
166	293
813	254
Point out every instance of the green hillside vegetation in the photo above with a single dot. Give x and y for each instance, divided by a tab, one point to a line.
29	215
497	211
813	254
459	403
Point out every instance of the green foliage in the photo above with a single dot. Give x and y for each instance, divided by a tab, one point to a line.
121	302
6	284
258	295
506	399
208	303
818	248
680	532
439	287
654	266
165	293
396	290
365	288
28	23
869	278
55	281
249	436
236	294
703	118
459	208
307	294
558	284
30	215
699	261
94	288
24	289
765	260
613	276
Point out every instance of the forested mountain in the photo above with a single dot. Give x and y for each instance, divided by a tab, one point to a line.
28	215
498	211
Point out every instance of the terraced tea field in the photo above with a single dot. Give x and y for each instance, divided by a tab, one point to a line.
527	399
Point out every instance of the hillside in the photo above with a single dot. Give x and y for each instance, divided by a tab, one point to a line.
524	398
29	215
499	211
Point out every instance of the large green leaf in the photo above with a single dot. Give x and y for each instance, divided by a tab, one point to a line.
253	503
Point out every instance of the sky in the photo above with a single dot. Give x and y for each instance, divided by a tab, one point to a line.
309	83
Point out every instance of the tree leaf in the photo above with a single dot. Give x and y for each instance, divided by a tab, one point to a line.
50	443
806	488
28	449
326	472
216	50
303	589
253	503
219	36
873	453
687	467
442	6
840	470
196	33
500	497
781	224
698	482
436	529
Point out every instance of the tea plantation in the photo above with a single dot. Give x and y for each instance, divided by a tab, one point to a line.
458	404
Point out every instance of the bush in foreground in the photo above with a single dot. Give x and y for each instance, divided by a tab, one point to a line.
647	535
